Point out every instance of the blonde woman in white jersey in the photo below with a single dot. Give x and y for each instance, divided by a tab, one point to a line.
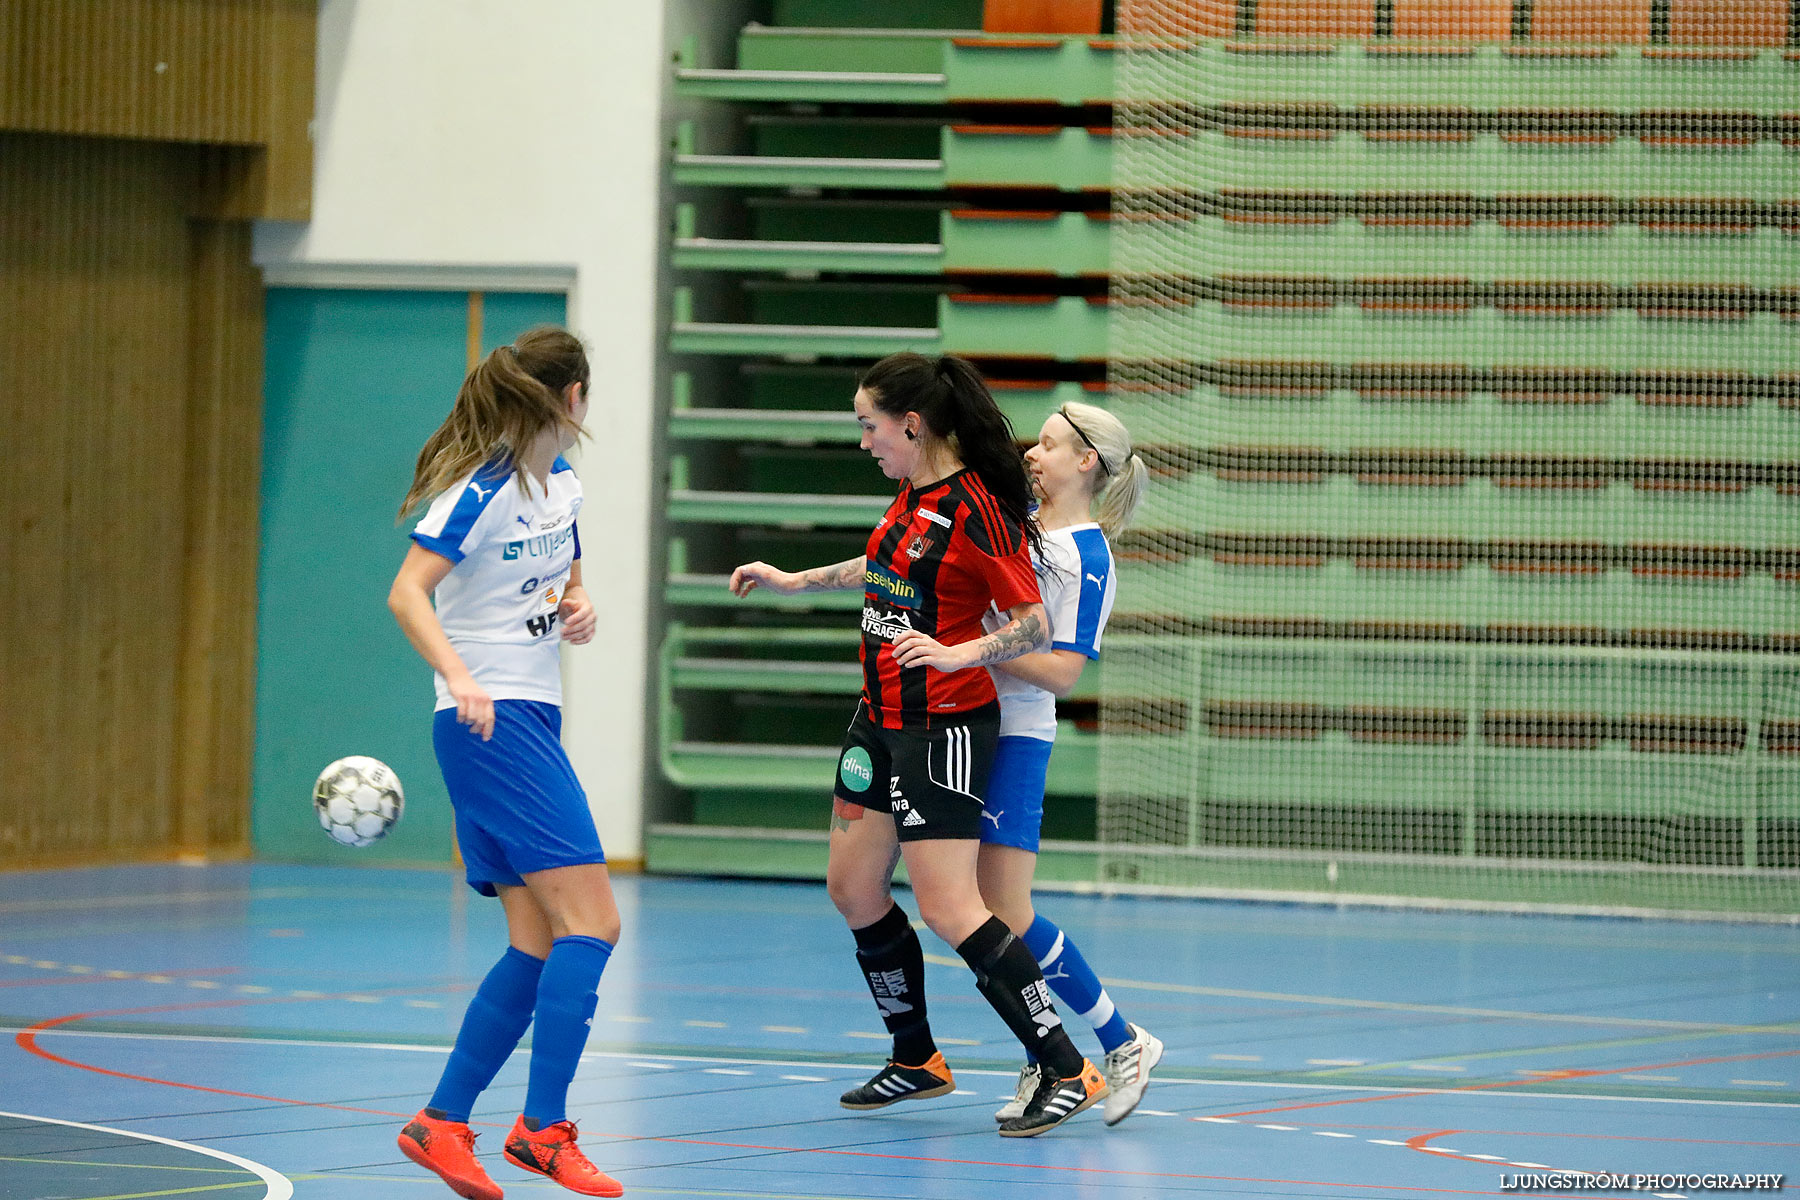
1088	483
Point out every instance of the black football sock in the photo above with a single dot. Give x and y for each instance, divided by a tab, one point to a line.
1010	981
893	965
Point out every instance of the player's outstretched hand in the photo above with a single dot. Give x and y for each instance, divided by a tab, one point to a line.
915	649
748	577
576	612
474	707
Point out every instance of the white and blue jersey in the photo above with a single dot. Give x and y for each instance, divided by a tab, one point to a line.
513	551
1075	578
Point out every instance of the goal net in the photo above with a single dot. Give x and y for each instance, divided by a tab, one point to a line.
1461	342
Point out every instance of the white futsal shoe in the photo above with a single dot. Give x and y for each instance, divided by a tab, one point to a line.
1128	1073
1027	1088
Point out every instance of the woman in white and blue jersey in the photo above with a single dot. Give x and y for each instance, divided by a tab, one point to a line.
499	553
1088	483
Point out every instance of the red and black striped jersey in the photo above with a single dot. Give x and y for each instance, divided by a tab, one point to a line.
939	557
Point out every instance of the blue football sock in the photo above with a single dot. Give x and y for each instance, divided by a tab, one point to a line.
565	1010
492	1026
1075	983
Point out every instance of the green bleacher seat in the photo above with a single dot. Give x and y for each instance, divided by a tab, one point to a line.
1542	254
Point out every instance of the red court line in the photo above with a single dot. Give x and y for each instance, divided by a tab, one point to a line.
1544	1133
1558	1077
1418	1143
27	1040
104	977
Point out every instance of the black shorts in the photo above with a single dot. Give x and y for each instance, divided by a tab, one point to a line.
932	780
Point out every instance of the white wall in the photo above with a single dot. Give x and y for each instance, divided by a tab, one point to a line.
522	134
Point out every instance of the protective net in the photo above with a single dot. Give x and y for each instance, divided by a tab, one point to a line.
1461	338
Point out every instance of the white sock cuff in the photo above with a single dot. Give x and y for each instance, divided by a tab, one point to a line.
1101	1013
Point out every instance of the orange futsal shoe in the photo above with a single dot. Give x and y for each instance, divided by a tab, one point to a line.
552	1151
447	1149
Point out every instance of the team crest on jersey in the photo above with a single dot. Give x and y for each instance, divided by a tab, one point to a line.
919	547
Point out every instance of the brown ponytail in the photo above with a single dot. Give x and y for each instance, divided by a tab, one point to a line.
510	397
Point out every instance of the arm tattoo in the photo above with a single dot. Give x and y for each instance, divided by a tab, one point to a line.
1023	635
838	577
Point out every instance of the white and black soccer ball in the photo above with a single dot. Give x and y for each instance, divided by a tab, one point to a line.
358	800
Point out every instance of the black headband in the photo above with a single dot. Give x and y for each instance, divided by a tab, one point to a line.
1063	412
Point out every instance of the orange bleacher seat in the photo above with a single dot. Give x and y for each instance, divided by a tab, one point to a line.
1041	16
1728	22
1454	20
1179	19
1316	18
1591	21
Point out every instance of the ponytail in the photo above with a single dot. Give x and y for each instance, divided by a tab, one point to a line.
1119	483
505	402
955	406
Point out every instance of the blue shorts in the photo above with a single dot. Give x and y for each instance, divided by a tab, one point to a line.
1014	808
519	807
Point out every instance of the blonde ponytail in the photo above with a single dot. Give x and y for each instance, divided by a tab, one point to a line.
1119	499
1124	475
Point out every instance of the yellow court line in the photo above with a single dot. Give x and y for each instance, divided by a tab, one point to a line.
88	1162
633	1190
96	902
1564	1048
1189	989
208	1187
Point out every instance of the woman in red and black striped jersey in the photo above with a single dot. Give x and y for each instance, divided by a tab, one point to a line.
916	758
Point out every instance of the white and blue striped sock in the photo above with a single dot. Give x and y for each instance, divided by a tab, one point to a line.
1074	982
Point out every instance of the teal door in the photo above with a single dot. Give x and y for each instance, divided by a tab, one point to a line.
356	381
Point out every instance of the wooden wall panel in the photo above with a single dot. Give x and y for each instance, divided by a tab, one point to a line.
98	365
236	75
170	70
214	727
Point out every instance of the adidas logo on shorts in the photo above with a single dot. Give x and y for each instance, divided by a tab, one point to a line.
913	818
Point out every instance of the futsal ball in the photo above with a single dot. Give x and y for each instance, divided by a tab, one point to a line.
358	800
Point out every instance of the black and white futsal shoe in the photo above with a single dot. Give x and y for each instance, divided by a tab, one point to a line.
896	1081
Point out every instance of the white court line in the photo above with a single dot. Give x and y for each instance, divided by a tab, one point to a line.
1449	1010
280	1188
1010	1073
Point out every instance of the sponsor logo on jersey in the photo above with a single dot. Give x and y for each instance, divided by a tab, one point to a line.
935	517
542	546
900	593
886	626
539	626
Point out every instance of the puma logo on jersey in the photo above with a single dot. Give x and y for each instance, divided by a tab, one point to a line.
480	493
526	522
1099	580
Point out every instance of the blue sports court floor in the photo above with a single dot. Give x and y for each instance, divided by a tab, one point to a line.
263	1030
